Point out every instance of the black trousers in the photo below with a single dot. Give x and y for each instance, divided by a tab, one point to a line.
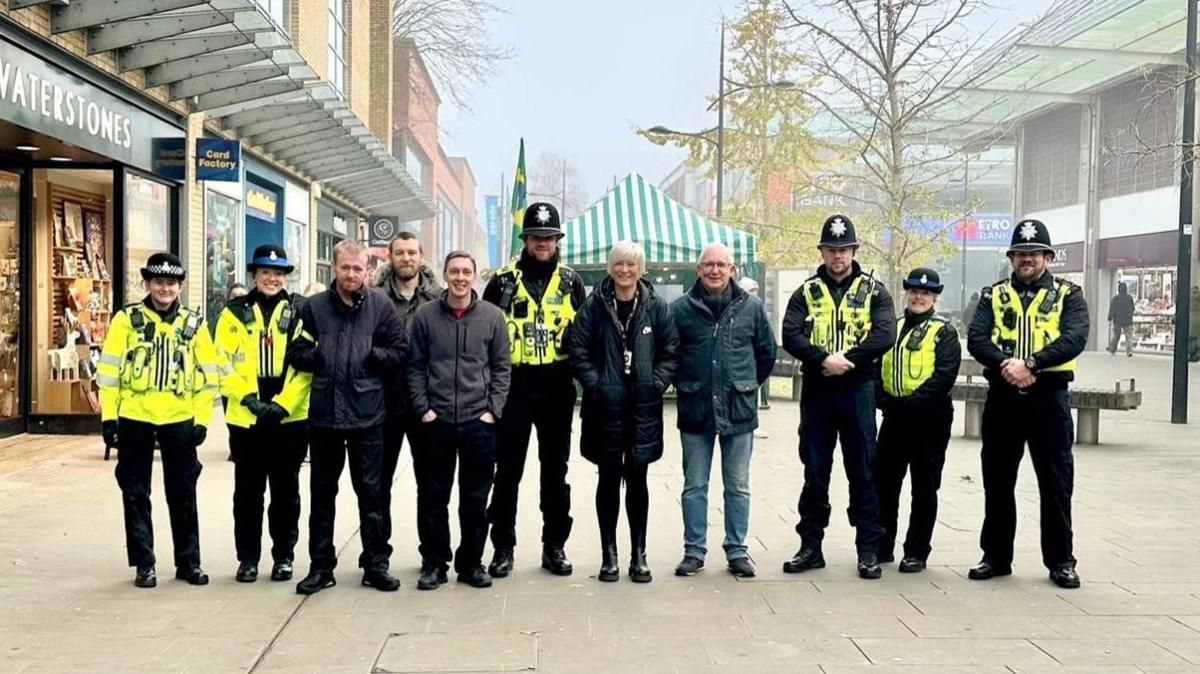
1041	418
911	442
263	455
472	445
397	427
847	413
329	449
181	469
545	402
608	500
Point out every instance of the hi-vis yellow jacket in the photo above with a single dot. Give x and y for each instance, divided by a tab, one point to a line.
158	370
254	348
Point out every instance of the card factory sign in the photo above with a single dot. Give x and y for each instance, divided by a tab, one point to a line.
42	97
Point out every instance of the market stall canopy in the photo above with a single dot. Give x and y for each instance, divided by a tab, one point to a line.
636	210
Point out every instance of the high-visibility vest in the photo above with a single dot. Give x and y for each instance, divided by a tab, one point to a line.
912	359
843	325
536	330
253	351
156	371
1021	332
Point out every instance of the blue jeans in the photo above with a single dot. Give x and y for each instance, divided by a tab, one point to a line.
735	473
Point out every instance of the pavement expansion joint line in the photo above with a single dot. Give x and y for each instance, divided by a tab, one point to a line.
1048	654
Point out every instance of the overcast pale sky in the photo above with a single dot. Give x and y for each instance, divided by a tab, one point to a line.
586	73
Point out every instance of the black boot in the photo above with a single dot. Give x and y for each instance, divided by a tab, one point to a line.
145	577
639	572
554	560
247	572
609	566
502	563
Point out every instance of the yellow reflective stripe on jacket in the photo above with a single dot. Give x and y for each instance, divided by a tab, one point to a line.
905	368
1023	332
838	327
249	355
537	337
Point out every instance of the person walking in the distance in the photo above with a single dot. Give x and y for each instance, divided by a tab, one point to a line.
623	348
1120	316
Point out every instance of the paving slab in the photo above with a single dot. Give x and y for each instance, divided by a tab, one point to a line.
974	651
1096	652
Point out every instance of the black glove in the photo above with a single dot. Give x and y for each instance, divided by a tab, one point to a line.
199	433
256	406
110	433
274	413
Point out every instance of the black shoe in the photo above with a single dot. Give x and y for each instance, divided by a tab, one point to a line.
432	576
281	571
639	571
806	559
247	572
985	570
912	565
555	561
502	563
1065	577
475	578
742	567
194	575
689	566
610	568
315	581
381	580
146	577
868	566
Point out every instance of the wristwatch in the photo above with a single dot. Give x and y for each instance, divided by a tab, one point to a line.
1031	363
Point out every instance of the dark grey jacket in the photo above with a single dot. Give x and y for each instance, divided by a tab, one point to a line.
722	362
458	367
351	352
427	291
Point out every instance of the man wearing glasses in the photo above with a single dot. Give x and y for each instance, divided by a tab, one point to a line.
730	352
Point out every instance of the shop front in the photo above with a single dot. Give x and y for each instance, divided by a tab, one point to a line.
334	223
84	199
1145	263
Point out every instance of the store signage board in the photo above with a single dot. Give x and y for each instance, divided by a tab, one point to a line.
218	159
381	229
261	203
170	157
43	97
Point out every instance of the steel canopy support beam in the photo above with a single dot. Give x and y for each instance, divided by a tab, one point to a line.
305	136
141	31
316	168
317	142
299	125
343	162
1115	57
82	14
246	92
186	69
275	115
168	50
354	174
1034	96
206	84
347	153
295	95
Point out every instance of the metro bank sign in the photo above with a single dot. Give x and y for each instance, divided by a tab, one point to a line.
980	229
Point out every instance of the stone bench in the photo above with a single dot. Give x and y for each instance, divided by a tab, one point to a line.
1089	402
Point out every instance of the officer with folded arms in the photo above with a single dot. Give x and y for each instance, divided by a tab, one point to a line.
158	377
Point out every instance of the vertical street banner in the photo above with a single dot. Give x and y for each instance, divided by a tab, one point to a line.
491	214
519	201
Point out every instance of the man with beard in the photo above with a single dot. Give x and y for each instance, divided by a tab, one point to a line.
406	281
1027	333
539	298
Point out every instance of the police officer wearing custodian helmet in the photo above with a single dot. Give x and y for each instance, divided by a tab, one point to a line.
1027	333
158	378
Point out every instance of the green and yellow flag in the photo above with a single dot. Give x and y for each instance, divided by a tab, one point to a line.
519	201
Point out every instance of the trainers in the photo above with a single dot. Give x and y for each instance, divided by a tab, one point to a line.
432	577
689	566
742	567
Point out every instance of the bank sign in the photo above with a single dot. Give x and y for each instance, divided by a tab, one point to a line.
42	97
980	229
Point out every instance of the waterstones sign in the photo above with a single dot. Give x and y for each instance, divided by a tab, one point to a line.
42	97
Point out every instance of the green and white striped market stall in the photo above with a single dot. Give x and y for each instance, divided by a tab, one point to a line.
636	210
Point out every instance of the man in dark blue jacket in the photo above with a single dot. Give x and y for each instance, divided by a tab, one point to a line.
351	340
730	351
838	323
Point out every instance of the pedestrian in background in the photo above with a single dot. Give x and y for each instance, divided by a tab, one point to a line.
751	287
1120	318
235	291
838	323
267	413
726	352
351	341
458	376
158	378
624	350
913	390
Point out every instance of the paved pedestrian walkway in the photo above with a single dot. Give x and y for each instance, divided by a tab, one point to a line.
67	602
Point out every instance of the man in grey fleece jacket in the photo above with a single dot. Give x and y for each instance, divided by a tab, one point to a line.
458	377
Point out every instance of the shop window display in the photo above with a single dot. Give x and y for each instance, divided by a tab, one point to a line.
221	237
10	297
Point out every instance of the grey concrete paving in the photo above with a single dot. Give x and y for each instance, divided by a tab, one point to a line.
67	602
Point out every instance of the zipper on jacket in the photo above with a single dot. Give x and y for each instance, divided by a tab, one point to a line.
457	349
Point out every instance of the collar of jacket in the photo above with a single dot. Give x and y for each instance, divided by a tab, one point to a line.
912	320
427	285
167	316
608	289
696	297
855	272
340	306
255	297
444	301
1046	280
536	271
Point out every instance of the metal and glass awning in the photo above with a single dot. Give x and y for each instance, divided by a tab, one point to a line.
1075	49
229	60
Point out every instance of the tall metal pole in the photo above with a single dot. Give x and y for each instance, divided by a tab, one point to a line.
962	291
563	207
1183	269
721	127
